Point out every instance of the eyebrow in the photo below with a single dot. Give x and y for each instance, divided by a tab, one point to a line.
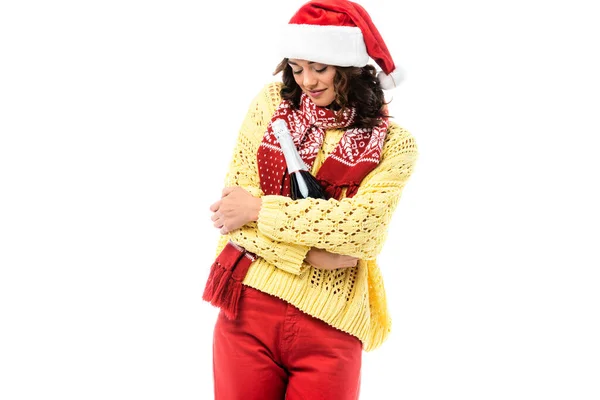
293	63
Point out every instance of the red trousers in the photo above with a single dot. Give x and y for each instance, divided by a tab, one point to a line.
274	351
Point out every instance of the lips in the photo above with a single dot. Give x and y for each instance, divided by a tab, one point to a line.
316	93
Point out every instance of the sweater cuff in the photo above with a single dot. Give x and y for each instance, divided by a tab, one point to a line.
269	216
293	259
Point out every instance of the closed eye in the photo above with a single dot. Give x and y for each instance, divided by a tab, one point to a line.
316	70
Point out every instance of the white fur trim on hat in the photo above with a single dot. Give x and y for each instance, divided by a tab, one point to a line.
341	46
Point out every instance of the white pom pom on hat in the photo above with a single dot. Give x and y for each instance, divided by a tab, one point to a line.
340	33
392	80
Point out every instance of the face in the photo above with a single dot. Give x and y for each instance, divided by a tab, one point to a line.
315	79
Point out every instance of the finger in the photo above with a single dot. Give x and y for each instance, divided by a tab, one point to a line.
216	216
215	206
227	190
224	231
218	222
351	262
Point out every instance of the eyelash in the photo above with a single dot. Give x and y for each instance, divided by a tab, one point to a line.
316	70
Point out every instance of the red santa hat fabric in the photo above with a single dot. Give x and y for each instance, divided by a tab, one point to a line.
341	33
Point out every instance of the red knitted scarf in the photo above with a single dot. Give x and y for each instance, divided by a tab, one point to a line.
357	153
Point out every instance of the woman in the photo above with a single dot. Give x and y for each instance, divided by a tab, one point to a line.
311	293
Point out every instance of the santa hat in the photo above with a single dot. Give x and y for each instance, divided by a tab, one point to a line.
340	33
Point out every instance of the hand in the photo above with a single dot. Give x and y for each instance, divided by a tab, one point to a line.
325	260
236	208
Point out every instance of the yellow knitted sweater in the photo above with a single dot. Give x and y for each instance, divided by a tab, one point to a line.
350	299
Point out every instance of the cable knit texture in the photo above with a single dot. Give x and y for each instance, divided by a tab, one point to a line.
350	299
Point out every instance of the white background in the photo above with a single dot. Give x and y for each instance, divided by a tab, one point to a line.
117	124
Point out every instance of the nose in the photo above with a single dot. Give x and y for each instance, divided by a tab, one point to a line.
309	78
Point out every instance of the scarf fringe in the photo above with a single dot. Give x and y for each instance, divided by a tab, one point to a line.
224	284
334	191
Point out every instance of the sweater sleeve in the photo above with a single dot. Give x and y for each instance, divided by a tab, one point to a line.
355	226
243	172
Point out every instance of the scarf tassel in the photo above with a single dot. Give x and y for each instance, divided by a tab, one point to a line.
224	284
334	191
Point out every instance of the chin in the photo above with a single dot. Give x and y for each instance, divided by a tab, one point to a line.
323	102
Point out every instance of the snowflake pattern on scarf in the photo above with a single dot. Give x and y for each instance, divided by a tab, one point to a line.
357	153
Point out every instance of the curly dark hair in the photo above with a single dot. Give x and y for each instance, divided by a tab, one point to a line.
354	87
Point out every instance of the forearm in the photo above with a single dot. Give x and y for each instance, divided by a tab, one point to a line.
354	228
285	256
